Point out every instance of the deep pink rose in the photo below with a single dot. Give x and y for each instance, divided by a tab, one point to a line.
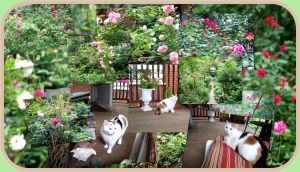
54	14
277	99
238	49
206	21
18	25
62	27
39	93
70	30
55	121
261	72
280	127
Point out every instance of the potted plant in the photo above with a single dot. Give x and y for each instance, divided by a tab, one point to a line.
147	85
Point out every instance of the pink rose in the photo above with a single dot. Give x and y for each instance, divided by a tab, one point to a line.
162	49
39	93
52	8
163	139
114	17
18	25
173	56
99	48
280	127
55	121
169	20
70	30
168	8
101	62
110	49
54	14
62	27
161	20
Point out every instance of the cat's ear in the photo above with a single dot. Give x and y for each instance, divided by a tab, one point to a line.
105	122
227	122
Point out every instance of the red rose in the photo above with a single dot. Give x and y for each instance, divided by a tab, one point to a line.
192	19
216	30
281	84
212	24
274	25
269	19
66	22
275	56
248	115
60	9
205	31
223	34
283	48
277	99
286	79
223	44
294	88
52	8
266	54
294	99
194	53
261	72
206	21
74	81
257	106
184	25
54	14
60	15
19	31
244	71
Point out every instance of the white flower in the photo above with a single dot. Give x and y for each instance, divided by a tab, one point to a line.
144	27
162	37
23	96
40	114
106	21
154	39
17	142
176	27
25	65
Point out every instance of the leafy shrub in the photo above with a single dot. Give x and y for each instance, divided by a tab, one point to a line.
43	130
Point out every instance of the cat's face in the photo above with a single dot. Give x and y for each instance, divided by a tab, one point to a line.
228	128
109	127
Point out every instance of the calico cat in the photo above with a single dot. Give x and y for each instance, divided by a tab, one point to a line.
166	105
113	130
246	144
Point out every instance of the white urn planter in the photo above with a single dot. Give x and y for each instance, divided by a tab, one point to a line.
146	98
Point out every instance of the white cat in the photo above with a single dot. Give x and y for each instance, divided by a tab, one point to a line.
246	144
113	130
166	105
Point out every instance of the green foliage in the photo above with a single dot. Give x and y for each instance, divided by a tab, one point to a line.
41	114
147	81
170	148
229	84
168	93
86	68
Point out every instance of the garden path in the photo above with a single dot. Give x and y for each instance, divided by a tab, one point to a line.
212	99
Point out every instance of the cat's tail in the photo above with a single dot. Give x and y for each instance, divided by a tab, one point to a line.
123	120
262	161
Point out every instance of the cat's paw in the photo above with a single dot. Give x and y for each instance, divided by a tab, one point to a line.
119	141
109	151
106	146
172	111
